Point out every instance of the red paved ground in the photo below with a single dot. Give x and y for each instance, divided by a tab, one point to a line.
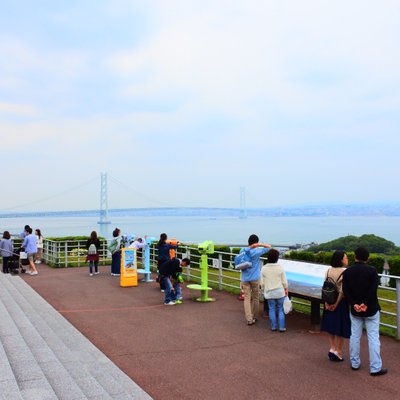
206	351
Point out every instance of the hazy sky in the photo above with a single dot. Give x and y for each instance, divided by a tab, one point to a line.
182	102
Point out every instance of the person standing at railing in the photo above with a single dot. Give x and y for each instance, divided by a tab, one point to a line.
115	249
23	233
251	279
6	250
29	245
360	288
275	287
93	255
39	245
163	256
335	318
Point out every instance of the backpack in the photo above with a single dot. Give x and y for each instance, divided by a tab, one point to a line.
329	291
242	260
92	249
112	247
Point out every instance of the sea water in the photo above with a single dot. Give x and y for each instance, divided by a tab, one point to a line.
226	230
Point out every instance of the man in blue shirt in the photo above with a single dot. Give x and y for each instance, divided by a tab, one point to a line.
29	245
251	278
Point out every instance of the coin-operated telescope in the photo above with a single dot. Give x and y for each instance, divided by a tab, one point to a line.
146	259
173	242
204	249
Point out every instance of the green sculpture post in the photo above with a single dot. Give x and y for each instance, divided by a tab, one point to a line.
204	248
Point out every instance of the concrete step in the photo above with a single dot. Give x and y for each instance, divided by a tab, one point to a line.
95	375
20	374
30	356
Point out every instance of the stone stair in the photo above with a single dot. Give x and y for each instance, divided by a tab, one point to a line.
43	357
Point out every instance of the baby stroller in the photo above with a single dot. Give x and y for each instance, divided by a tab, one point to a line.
13	264
18	262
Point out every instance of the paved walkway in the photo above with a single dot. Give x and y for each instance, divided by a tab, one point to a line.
206	351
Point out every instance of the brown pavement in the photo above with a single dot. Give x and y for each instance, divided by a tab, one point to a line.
206	351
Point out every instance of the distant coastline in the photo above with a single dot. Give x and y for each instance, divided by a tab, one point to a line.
382	209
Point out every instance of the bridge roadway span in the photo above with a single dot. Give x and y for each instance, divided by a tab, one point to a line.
206	351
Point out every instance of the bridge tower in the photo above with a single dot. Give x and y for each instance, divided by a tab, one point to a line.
242	213
103	200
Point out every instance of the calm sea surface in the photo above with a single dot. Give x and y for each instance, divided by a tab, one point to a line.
232	230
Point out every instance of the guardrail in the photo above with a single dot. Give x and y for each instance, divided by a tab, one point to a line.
221	274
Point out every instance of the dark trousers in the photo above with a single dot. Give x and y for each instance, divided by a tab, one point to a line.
116	263
5	265
95	264
160	278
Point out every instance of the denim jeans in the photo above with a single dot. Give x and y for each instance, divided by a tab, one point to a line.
272	303
177	291
168	289
374	345
95	264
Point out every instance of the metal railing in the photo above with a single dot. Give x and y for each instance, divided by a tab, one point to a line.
221	273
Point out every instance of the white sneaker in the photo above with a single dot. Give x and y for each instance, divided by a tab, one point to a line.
91	274
171	303
34	273
38	262
96	273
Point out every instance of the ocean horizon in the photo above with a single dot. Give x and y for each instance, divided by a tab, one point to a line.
286	230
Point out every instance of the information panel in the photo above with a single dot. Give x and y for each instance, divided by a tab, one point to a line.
128	267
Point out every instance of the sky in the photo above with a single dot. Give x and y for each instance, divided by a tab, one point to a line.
183	102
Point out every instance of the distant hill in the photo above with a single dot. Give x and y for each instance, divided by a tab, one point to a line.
373	243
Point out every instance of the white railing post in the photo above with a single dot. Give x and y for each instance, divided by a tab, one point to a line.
188	267
398	307
66	254
220	271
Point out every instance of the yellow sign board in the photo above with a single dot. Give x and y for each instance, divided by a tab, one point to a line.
128	268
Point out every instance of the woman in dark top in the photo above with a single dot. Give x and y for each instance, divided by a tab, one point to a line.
335	318
93	248
163	256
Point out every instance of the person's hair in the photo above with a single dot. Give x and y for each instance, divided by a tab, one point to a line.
186	261
6	235
37	231
116	232
337	259
272	256
253	239
361	254
28	229
93	236
163	238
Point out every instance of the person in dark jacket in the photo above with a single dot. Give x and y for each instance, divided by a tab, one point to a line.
360	286
163	255
93	248
172	269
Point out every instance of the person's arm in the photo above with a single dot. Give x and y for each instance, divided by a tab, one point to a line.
285	282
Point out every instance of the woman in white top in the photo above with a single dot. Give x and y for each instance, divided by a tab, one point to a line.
39	245
275	286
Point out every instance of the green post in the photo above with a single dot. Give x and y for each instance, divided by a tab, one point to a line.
204	248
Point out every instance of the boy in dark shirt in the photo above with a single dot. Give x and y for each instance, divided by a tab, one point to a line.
173	269
360	286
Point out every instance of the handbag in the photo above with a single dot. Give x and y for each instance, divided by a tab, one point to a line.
287	305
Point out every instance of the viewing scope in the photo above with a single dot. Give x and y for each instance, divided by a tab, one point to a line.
206	247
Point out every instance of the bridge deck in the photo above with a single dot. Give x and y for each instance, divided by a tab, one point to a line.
206	351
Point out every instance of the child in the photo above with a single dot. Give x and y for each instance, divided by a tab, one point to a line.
173	269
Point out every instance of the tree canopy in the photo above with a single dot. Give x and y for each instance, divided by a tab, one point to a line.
373	243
